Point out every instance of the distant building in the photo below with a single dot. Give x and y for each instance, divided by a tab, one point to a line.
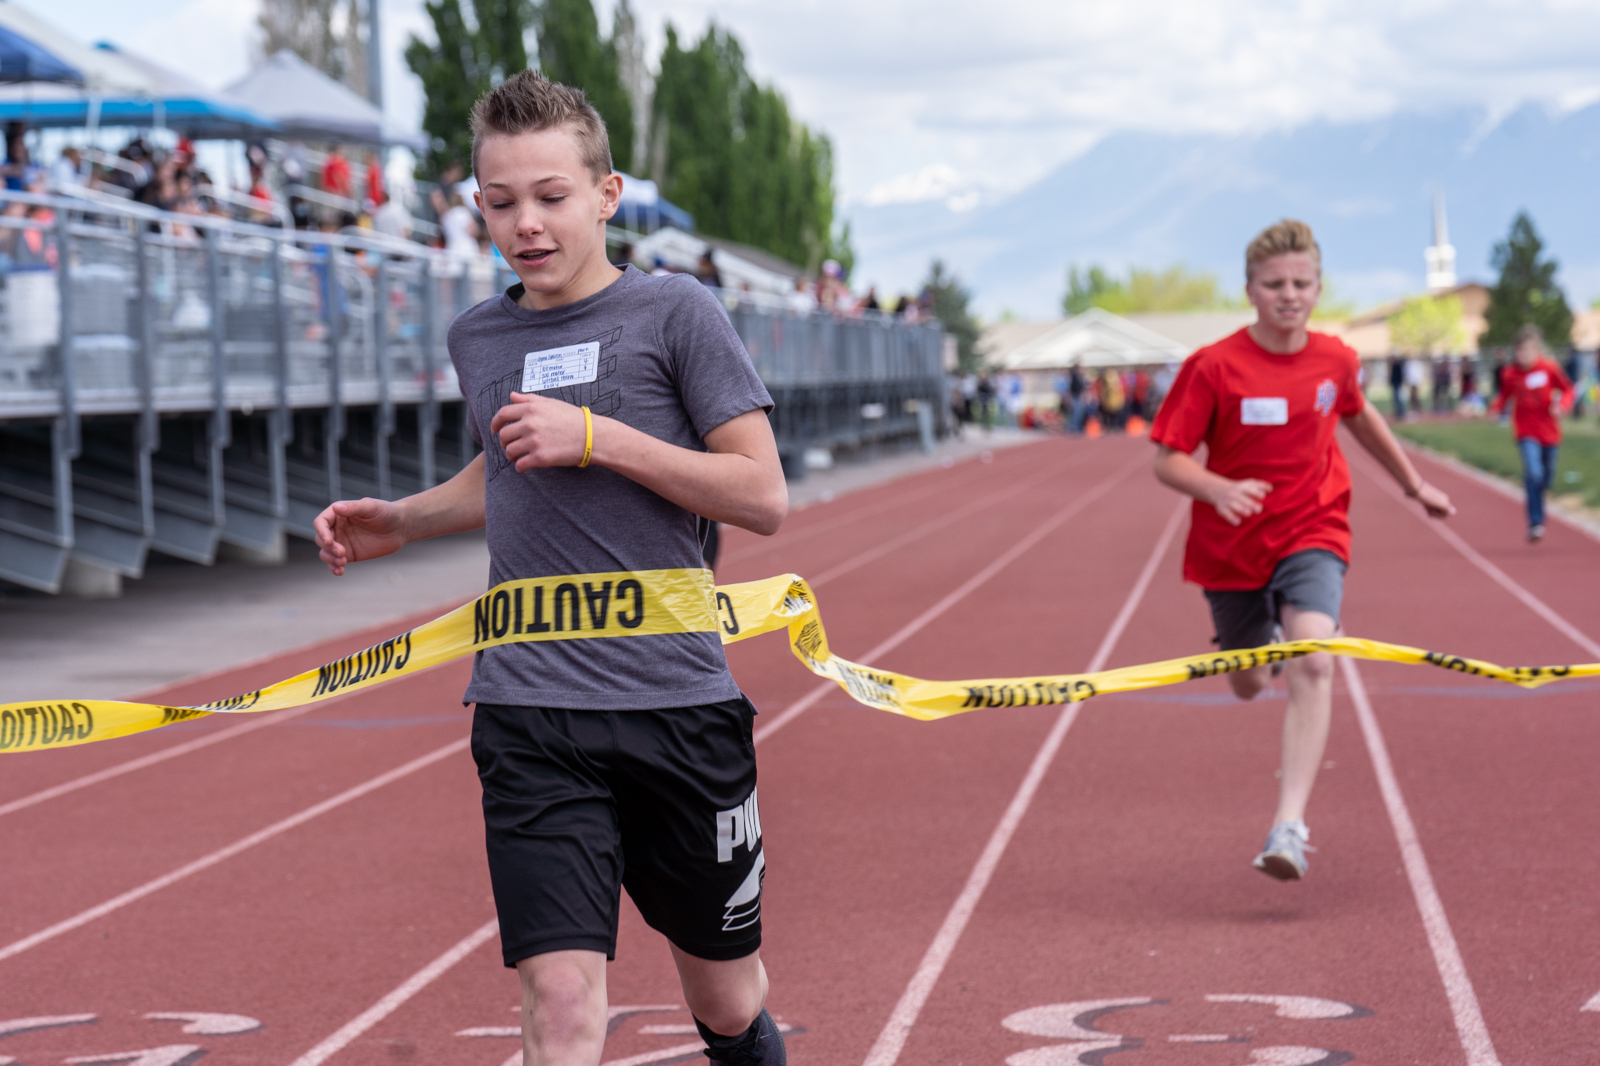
1368	332
1441	255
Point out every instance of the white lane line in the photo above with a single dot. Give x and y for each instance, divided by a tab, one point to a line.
152	759
221	854
982	503
392	1002
892	1040
1470	1027
1494	573
1050	525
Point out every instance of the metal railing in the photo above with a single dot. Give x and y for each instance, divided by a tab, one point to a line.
196	385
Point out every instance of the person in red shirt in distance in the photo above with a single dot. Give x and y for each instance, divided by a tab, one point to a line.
1269	538
1535	386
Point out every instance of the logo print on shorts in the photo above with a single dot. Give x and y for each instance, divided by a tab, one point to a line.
739	825
1327	396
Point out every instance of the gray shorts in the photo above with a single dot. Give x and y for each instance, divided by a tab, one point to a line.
1312	580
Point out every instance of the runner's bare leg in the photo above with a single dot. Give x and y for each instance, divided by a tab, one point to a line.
563	1008
1305	724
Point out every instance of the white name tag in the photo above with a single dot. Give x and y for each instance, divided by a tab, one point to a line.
553	368
1536	380
1264	411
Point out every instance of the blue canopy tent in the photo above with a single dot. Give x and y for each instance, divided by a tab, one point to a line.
167	99
642	209
21	60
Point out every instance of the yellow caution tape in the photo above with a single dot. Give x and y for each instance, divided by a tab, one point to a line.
654	602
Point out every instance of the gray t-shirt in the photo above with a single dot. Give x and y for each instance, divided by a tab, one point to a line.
670	365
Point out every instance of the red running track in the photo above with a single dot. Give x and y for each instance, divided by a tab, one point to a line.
1032	887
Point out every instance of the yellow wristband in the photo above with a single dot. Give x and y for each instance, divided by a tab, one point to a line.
588	437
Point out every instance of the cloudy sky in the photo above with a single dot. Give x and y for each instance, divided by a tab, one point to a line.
928	99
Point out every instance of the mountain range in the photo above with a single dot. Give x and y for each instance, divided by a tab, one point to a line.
1153	200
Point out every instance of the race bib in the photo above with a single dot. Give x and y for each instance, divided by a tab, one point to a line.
553	368
1536	380
1264	411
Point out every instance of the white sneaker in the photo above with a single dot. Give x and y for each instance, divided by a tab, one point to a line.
1284	854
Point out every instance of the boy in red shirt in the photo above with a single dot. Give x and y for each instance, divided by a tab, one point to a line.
1269	540
1535	386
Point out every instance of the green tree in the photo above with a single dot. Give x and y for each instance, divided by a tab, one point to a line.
1527	291
1087	289
733	156
1428	325
478	44
571	52
1175	289
950	307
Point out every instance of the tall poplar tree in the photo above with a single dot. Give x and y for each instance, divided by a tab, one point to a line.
478	44
735	158
571	52
1527	292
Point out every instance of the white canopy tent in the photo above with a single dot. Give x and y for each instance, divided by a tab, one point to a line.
312	106
1095	338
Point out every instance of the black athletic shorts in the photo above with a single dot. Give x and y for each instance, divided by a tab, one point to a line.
1312	580
580	804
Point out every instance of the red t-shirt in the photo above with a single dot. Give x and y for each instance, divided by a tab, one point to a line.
1270	417
336	175
1530	391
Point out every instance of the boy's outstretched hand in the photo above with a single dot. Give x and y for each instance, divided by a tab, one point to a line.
538	431
350	531
1238	500
1434	501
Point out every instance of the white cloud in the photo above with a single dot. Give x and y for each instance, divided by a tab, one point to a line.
933	183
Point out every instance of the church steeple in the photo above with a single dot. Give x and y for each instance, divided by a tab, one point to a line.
1441	255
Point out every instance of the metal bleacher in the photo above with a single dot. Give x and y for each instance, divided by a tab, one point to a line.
194	386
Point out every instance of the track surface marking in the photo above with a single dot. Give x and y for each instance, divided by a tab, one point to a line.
1125	890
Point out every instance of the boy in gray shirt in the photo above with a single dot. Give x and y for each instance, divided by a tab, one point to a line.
620	415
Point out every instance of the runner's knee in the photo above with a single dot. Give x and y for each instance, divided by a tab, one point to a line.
1248	684
1317	669
730	1013
565	998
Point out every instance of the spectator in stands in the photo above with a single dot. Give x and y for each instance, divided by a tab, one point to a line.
985	401
802	300
1471	401
869	302
706	271
68	169
337	180
1397	385
1078	399
1416	376
460	228
376	194
1113	399
138	173
1441	385
18	169
1139	393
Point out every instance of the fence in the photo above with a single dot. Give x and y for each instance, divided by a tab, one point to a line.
195	386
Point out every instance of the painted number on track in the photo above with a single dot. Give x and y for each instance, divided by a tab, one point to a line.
200	1023
1077	1024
